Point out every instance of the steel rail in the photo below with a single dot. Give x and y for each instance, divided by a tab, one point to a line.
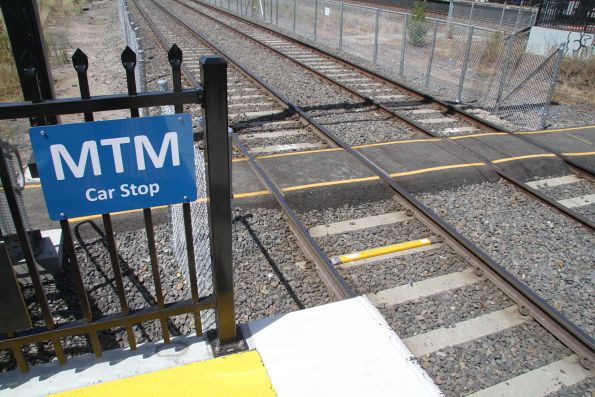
324	267
531	192
282	100
530	302
447	107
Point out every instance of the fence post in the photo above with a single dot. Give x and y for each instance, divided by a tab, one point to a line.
277	12
376	35
431	57
450	11
505	69
471	14
341	27
465	63
548	101
24	31
518	16
217	158
294	12
502	17
315	18
403	46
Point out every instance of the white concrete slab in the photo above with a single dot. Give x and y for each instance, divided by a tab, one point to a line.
353	225
249	104
273	134
257	114
341	349
279	148
44	379
541	381
465	331
421	289
457	130
551	182
580	201
423	111
437	120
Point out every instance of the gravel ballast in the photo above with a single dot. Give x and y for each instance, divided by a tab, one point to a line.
549	252
462	370
271	277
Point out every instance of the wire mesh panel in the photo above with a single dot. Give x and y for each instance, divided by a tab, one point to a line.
15	171
448	59
305	14
328	23
390	38
200	231
484	66
285	14
418	48
527	85
358	30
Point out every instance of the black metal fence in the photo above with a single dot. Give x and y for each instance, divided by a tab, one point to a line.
16	330
575	15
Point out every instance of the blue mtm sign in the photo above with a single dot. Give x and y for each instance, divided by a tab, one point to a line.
115	165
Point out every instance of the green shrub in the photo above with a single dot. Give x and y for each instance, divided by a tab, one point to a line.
417	28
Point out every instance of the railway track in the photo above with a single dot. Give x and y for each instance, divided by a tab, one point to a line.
419	112
450	273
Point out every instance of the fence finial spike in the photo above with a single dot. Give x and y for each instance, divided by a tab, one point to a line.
128	58
80	61
174	55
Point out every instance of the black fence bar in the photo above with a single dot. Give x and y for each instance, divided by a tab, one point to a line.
214	76
102	103
217	158
577	15
174	56
26	39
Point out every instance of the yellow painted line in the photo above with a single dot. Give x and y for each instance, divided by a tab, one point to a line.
241	374
88	217
528	156
477	135
396	142
32	186
439	168
389	249
251	194
557	130
573	154
330	183
578	138
303	187
302	152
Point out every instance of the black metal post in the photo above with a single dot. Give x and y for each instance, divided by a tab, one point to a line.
175	57
25	34
217	158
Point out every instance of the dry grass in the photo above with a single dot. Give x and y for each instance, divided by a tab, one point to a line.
576	82
49	10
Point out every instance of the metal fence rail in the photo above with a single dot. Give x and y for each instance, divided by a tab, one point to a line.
16	331
456	61
577	15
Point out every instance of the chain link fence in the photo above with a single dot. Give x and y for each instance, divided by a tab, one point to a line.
505	17
485	68
200	239
131	34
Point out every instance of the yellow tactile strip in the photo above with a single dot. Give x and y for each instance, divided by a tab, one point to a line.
241	374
